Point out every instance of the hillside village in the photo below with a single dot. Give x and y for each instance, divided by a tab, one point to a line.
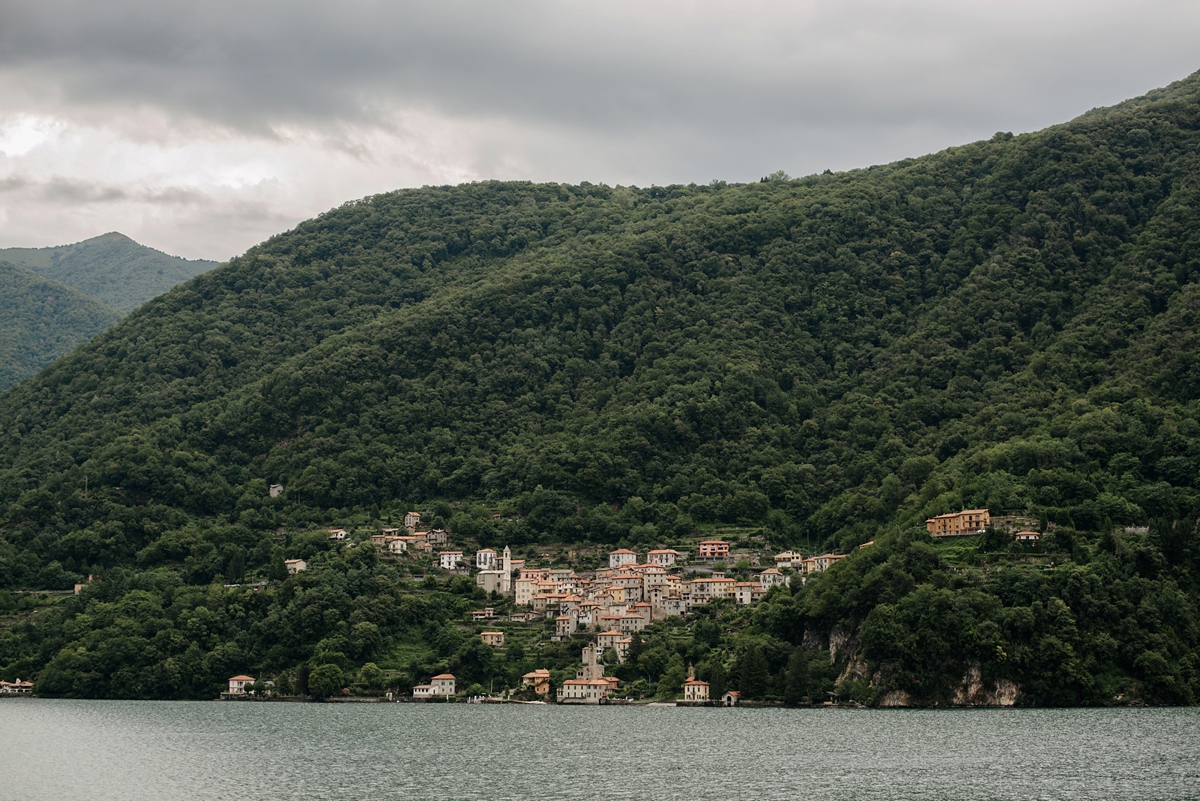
607	606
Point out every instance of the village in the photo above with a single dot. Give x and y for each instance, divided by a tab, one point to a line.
611	604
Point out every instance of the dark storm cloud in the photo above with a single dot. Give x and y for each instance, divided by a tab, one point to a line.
701	76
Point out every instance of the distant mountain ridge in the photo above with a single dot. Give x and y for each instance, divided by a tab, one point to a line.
56	298
41	319
111	268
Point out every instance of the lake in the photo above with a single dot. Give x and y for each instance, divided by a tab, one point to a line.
128	750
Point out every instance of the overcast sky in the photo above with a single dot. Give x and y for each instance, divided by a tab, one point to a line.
203	127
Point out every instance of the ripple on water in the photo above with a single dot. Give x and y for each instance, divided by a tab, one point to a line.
100	750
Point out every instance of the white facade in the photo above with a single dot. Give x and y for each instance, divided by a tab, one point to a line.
621	556
450	560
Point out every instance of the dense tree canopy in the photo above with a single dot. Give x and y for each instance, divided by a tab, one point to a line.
1010	324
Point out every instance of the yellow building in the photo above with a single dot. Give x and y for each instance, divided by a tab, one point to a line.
957	524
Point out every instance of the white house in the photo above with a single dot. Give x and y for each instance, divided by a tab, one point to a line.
337	534
294	566
442	684
772	578
666	557
450	560
275	490
621	556
485	559
17	687
397	545
240	685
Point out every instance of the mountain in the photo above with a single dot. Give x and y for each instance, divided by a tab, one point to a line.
42	319
816	363
111	268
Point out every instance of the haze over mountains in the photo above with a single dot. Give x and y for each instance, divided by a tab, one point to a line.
59	297
1008	324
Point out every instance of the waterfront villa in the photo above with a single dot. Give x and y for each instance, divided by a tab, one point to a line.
240	685
440	685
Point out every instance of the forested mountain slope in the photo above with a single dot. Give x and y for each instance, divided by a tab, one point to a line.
41	319
111	268
1010	324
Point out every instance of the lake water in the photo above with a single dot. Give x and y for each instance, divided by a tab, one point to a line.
95	750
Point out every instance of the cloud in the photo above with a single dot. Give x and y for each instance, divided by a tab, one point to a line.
178	105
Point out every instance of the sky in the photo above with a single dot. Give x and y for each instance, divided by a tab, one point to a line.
202	128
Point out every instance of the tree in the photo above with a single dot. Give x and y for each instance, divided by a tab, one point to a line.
326	681
754	677
796	685
716	680
303	673
371	676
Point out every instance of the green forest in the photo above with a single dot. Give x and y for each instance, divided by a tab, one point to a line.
110	268
826	361
54	299
42	319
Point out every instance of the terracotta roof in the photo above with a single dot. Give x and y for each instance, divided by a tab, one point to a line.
622	550
444	676
242	678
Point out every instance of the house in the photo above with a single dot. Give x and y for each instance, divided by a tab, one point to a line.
523	591
584	691
412	520
730	698
621	556
1027	537
337	534
666	557
819	564
450	560
491	580
275	490
565	626
485	559
486	613
633	622
294	566
538	680
958	524
437	536
772	578
240	685
397	545
607	639
492	638
440	685
708	589
713	550
694	690
788	559
17	687
744	592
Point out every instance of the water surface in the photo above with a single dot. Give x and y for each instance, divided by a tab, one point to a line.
99	750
